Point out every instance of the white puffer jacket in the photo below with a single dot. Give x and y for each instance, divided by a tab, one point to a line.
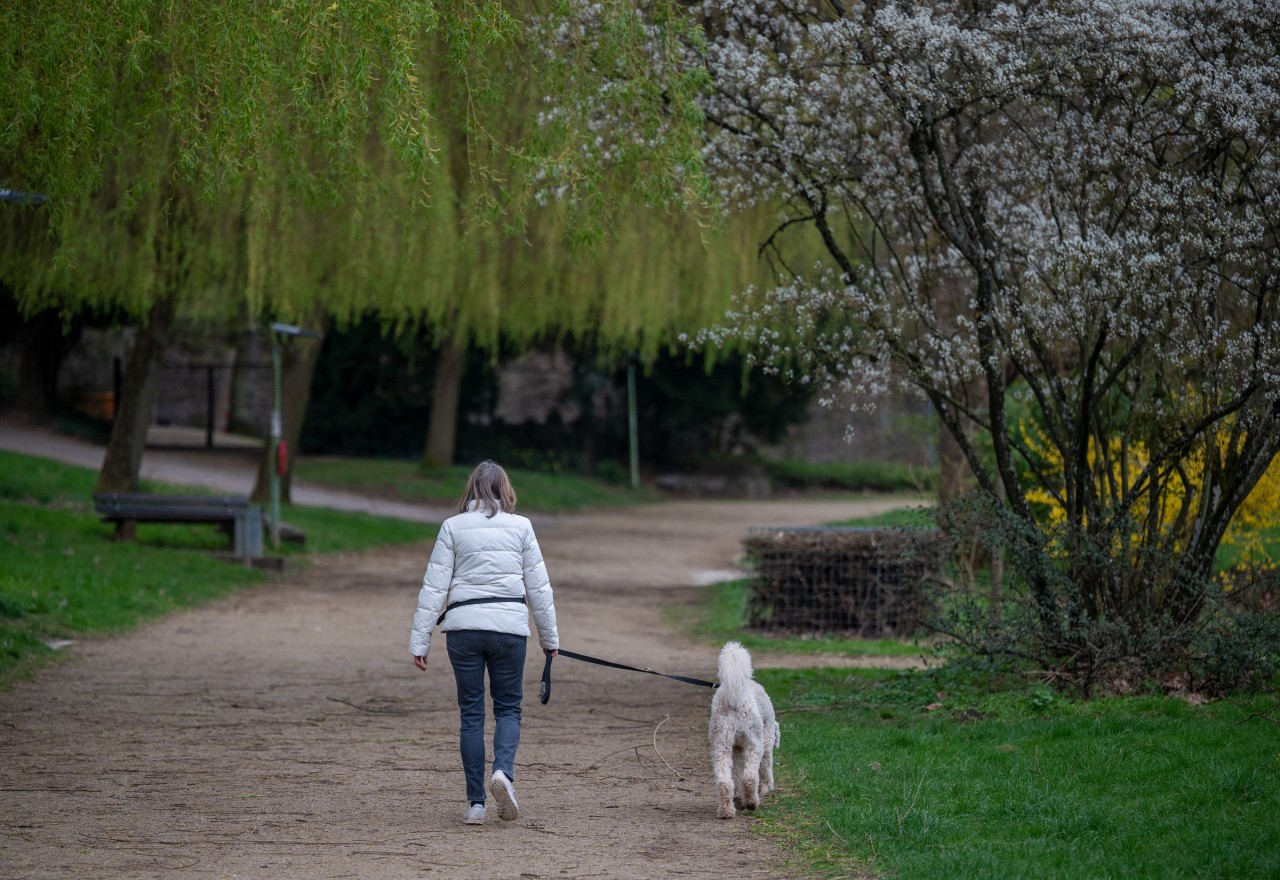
478	556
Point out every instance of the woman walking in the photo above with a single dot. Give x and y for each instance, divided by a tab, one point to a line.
485	568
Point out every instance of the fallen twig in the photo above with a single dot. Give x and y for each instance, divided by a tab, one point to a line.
366	709
1265	716
664	720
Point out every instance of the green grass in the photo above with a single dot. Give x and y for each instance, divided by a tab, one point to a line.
918	517
62	577
338	531
1230	556
1009	781
535	490
861	476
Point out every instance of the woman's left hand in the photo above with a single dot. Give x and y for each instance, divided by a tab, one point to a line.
420	662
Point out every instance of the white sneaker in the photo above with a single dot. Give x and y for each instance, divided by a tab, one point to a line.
505	795
475	815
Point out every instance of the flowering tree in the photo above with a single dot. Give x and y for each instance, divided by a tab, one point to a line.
1055	219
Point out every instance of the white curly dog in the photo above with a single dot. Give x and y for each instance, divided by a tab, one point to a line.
743	732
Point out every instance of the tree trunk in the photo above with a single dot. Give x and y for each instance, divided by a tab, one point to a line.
297	370
997	565
954	474
442	430
44	345
246	384
123	457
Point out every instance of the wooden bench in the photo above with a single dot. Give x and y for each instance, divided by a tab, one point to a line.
241	520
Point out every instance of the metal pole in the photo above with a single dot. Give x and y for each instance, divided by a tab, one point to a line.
633	422
279	330
276	434
117	386
208	409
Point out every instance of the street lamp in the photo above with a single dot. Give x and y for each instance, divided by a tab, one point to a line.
633	422
278	332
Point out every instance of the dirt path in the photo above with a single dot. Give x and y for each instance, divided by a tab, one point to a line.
285	733
173	456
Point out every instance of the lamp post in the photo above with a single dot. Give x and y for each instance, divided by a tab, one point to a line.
278	333
633	426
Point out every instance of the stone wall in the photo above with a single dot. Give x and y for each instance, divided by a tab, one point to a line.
237	373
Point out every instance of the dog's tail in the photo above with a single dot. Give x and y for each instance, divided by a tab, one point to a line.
734	672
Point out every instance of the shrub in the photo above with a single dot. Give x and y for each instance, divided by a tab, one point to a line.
1076	637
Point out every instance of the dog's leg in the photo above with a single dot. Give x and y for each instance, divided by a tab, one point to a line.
766	763
737	777
751	777
766	772
722	768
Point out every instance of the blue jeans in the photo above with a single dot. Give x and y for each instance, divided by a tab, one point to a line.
471	651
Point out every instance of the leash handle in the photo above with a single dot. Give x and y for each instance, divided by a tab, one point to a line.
544	689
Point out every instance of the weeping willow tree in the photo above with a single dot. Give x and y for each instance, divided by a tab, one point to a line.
656	275
292	159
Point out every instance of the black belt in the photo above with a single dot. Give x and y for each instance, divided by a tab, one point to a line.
484	600
544	691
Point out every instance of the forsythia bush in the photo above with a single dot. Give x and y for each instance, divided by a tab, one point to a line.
1248	532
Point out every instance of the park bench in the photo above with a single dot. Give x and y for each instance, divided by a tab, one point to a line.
240	519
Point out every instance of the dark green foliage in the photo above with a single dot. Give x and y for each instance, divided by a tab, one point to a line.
372	392
691	416
1239	649
689	412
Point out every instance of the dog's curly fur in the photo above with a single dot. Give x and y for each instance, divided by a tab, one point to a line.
743	732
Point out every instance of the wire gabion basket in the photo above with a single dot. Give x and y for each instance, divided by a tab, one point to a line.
863	582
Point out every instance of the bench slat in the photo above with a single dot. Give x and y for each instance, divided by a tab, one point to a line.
139	499
188	515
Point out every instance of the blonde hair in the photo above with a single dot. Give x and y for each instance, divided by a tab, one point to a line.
490	488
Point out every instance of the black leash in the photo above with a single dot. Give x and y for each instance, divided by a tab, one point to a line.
544	691
483	600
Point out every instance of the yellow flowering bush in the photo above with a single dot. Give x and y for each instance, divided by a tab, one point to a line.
1255	523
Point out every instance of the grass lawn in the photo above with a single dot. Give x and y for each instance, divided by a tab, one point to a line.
62	577
863	476
918	517
952	773
535	490
1000	780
